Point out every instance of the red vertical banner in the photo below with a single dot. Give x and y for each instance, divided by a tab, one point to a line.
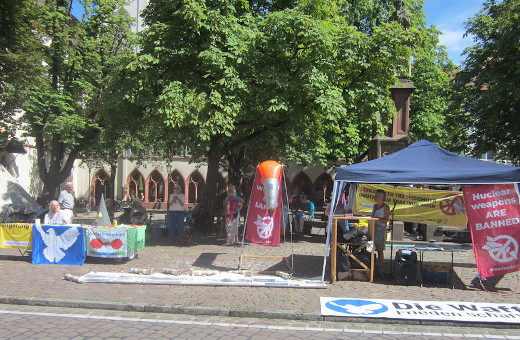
494	219
260	227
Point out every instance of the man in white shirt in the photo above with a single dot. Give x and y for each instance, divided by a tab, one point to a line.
175	217
66	200
55	215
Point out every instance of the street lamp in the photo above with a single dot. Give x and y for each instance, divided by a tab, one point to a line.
90	165
169	169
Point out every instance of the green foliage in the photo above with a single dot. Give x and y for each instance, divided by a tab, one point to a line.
64	107
19	57
435	107
296	76
491	79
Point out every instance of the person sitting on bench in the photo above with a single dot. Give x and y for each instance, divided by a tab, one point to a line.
305	213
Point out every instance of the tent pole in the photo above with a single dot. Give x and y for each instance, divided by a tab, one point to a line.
333	202
392	242
283	219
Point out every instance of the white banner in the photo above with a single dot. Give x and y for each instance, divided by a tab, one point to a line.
421	310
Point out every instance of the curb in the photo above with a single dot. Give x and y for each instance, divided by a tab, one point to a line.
237	313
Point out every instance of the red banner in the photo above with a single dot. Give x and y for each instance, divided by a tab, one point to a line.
260	228
494	220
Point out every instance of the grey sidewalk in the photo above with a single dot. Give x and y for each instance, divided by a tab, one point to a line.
24	283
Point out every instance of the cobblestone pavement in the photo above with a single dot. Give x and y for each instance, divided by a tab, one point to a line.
23	322
21	279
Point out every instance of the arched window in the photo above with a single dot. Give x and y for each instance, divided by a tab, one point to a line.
155	187
195	187
175	177
100	185
322	188
301	184
135	185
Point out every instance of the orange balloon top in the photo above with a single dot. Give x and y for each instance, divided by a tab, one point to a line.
270	169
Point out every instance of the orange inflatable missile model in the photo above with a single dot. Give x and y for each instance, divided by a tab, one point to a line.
270	173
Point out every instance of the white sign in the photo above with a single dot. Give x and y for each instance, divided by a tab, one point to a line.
421	310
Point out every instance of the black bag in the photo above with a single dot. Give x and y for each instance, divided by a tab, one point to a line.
342	261
363	256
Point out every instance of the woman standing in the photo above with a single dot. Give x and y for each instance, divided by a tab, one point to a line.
382	211
176	214
232	206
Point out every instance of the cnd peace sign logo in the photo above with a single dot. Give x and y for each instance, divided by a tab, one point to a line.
264	230
502	248
452	204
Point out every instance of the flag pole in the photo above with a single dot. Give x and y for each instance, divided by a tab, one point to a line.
283	218
247	215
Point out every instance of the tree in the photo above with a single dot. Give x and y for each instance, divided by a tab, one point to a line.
19	58
294	79
435	107
490	80
63	109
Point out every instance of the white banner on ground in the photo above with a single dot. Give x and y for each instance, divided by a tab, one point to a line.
421	310
219	279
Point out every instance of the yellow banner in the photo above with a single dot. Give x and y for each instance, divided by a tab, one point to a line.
16	235
415	205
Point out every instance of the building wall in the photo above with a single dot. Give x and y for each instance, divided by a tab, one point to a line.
134	8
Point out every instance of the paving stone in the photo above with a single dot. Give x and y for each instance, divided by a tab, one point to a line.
42	284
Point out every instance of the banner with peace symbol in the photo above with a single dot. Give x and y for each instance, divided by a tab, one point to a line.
414	204
262	227
494	221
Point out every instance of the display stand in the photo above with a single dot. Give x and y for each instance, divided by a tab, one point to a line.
333	257
285	199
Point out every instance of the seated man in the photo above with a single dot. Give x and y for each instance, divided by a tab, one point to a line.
55	215
305	213
138	214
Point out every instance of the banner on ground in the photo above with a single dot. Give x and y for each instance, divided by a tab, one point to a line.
494	221
421	310
16	235
58	244
260	227
106	242
415	205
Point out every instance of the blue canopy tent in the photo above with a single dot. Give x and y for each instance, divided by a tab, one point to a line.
420	163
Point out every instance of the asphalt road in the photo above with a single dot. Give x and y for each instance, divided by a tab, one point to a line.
30	322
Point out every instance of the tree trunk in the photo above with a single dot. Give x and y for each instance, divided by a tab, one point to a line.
236	159
54	174
207	206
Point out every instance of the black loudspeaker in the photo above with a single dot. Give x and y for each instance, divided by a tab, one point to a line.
406	271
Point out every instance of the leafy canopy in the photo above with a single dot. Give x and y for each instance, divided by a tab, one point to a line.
490	79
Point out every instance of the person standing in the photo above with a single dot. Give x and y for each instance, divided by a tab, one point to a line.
382	211
232	206
66	201
305	213
176	214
